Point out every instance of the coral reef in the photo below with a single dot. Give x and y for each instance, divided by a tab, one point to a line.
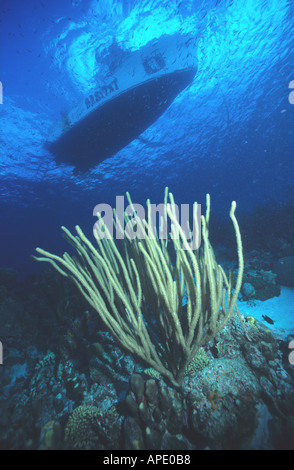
237	393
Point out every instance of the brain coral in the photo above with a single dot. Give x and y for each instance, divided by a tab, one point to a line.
81	431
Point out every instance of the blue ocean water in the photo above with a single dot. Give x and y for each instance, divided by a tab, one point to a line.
230	133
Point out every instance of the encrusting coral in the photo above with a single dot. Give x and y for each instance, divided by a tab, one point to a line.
138	287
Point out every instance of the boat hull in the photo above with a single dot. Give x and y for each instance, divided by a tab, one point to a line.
116	113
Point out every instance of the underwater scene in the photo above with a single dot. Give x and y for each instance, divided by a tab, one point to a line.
147	227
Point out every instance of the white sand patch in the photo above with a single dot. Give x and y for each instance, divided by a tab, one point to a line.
279	309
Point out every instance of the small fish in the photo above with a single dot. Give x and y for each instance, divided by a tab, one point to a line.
268	319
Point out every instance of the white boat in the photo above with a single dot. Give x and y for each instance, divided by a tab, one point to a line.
116	112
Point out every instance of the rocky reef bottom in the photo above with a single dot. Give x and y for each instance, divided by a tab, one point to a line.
66	385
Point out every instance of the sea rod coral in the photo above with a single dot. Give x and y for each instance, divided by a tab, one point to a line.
161	301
